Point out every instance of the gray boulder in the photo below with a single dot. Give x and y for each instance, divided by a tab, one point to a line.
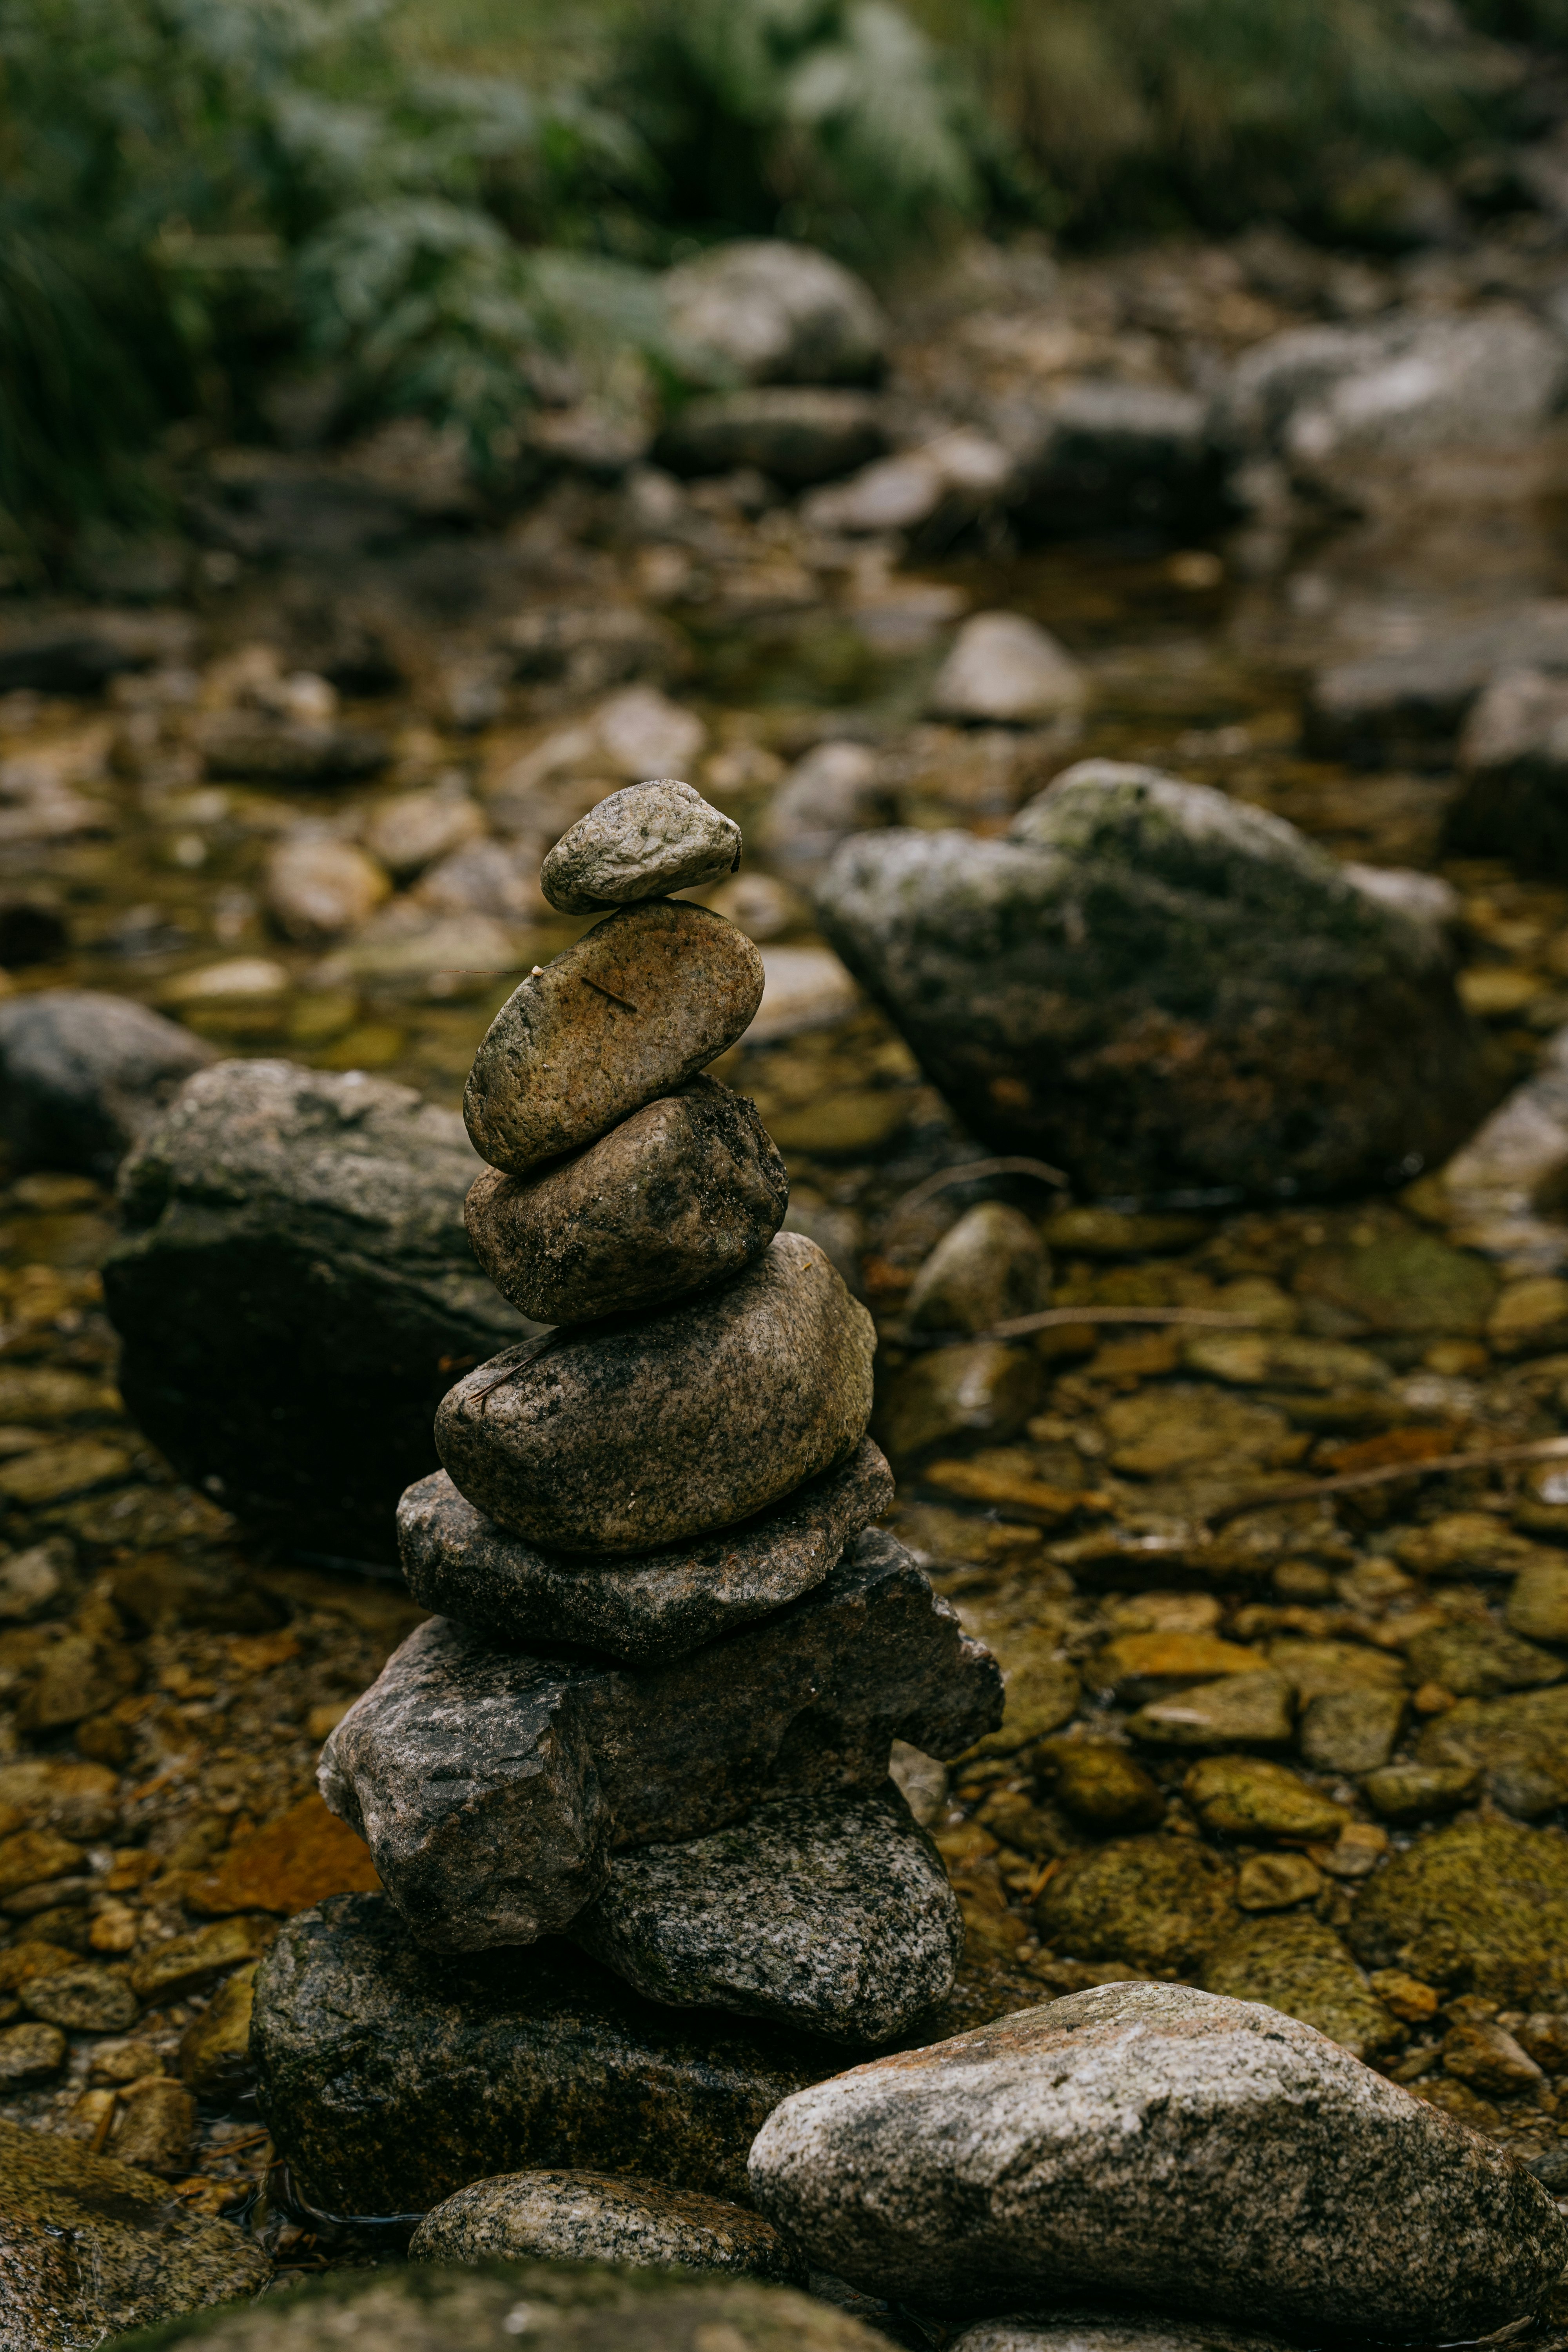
390	2079
1407	708
492	1786
600	2217
83	1075
1157	987
833	1913
294	1291
1211	2156
795	437
762	311
653	1605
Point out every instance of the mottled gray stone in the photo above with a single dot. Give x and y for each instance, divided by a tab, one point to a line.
641	1003
833	1913
599	2217
83	1075
294	1292
1006	671
1107	2331
557	2306
1207	2154
681	1195
89	2247
641	843
649	1606
1351	1730
85	1999
390	2079
636	1436
492	1785
1152	985
768	311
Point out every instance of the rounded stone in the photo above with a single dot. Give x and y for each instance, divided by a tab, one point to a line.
833	1913
600	2217
1161	1903
1102	1786
1210	2156
680	1422
987	1268
641	843
643	1001
1299	1966
1005	669
657	1605
681	1195
85	1999
1480	1905
1107	2331
1247	1797
29	2053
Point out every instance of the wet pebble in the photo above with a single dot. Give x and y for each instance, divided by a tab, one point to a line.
1007	670
83	1999
29	2053
319	888
643	843
588	2217
987	1268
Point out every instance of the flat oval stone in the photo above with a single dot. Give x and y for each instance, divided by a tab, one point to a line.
677	1197
1211	2156
600	2217
657	1605
641	843
833	1913
627	1440
642	1002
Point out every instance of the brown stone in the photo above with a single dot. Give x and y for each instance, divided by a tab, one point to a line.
303	1856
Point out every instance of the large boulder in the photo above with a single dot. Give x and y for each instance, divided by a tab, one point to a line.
1202	2154
1159	988
295	1291
762	311
83	1075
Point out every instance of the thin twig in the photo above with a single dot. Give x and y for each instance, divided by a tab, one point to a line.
1308	1490
1061	1318
624	1000
930	1186
537	1347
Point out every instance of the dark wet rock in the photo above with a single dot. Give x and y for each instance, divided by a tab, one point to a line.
1481	1907
832	1914
1403	1284
1161	1903
641	843
1300	1966
79	652
795	437
88	1999
762	311
1101	453
635	1437
563	2307
988	1267
84	1076
1419	1793
214	2048
599	2217
1244	1710
1151	984
391	2079
89	2247
492	1785
638	1006
1249	1796
254	748
1519	1745
1351	1730
984	1388
677	1197
1107	2331
1102	1786
1405	709
1006	671
294	1291
1477	1659
652	1605
1118	2123
1513	756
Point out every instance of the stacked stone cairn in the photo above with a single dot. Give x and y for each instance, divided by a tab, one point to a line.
655	1711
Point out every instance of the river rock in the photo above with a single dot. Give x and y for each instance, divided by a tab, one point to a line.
766	311
599	2217
635	1007
1151	984
681	1194
1006	671
1298	1965
1081	2330
1475	1659
651	1606
1097	453
635	1437
1161	1903
89	2247
492	1785
319	888
1405	708
1519	1743
83	1075
293	1291
1098	2142
795	436
1481	1906
833	1913
641	843
390	2079
987	1268
1514	757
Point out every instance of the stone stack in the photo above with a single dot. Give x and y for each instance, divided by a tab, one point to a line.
655	1713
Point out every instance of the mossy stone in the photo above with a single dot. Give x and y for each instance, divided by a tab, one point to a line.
1519	1743
1102	1786
1475	1659
1161	1902
1403	1283
1247	1797
1298	1965
1481	1907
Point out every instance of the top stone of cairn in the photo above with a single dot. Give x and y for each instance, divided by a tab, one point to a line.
641	843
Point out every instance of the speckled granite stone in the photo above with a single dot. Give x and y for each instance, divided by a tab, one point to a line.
643	1001
1107	2331
88	2247
833	1913
390	2079
599	2217
677	1197
1211	2155
491	1785
651	1605
641	843
633	1437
